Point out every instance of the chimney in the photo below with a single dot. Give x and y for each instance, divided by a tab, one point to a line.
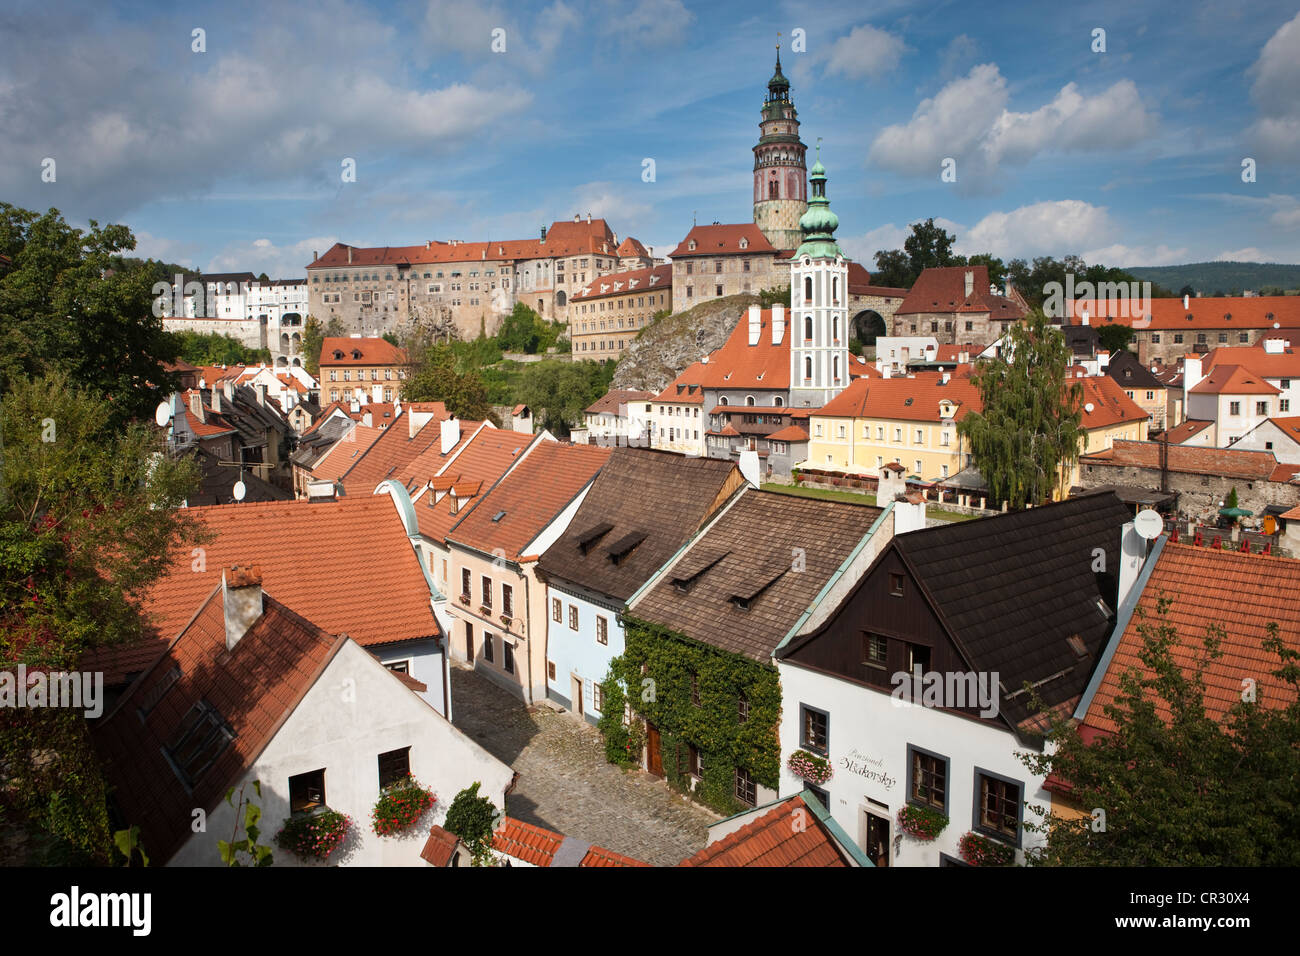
778	323
1187	302
228	391
368	419
543	233
355	406
196	405
755	324
1008	286
884	371
241	599
349	255
321	490
314	255
415	420
1275	346
589	218
449	434
577	218
1083	317
891	484
261	394
944	376
970	282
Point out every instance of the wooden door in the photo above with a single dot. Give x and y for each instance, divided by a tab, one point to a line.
654	759
878	839
469	643
577	696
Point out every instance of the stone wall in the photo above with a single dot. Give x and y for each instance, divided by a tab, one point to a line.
1197	494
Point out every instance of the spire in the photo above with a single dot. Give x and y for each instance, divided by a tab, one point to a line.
778	87
818	224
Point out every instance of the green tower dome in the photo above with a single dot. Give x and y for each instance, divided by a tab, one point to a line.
818	224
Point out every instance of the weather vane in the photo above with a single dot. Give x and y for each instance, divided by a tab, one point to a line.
819	149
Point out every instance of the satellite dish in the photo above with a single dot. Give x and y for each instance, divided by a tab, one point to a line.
162	414
1089	407
1149	524
240	491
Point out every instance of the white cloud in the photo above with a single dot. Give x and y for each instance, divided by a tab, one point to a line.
263	255
863	248
1122	256
648	21
968	120
865	52
1276	133
179	251
604	200
1248	254
960	50
1045	228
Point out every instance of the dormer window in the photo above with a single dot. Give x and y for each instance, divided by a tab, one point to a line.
338	354
691	245
744	243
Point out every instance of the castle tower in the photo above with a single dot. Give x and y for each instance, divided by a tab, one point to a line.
819	277
780	193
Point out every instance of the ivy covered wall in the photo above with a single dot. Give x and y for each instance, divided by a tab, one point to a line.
654	677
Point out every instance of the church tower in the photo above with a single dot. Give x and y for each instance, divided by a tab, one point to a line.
819	277
780	167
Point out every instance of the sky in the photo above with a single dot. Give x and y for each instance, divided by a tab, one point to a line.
232	157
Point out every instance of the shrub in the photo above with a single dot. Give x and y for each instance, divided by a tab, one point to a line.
313	836
400	805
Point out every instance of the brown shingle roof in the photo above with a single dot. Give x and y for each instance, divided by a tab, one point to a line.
487	456
631	282
616	397
1187	430
1238	592
339	352
752	545
683	492
1233	380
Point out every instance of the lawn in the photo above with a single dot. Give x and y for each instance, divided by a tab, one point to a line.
858	499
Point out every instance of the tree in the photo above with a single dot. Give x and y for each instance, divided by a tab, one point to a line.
1029	429
929	246
435	378
473	819
1178	785
523	330
64	308
997	270
893	269
313	336
1187	290
89	520
770	297
213	348
1114	338
559	392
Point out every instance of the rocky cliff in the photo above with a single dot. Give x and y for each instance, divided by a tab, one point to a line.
664	348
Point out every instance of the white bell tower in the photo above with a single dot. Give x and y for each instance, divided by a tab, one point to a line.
819	277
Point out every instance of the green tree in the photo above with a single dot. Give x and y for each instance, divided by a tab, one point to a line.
213	348
929	247
64	308
558	392
1180	786
435	378
1029	430
473	818
1187	290
893	269
89	520
313	335
770	297
1114	338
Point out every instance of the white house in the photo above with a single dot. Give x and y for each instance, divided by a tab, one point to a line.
911	690
251	691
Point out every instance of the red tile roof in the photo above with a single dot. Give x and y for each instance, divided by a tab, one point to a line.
1255	312
723	240
1256	359
685	388
1233	380
737	364
487	456
539	846
530	497
1238	592
562	239
789	834
943	289
1110	403
1186	459
630	248
616	397
396	455
338	351
625	283
1186	431
254	688
345	452
791	433
325	557
439	847
913	398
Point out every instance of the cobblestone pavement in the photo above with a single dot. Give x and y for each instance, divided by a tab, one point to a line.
565	783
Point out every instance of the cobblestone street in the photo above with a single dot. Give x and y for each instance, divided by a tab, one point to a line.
566	785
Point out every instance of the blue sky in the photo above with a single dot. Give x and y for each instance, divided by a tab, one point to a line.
230	159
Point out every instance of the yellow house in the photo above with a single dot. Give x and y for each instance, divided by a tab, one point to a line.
1108	414
911	420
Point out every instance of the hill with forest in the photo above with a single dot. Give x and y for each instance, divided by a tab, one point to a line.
1224	278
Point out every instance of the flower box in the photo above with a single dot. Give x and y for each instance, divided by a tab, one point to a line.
921	823
464	599
400	806
979	850
505	620
313	836
810	766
